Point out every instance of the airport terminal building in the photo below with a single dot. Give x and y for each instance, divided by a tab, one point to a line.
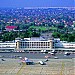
27	44
33	44
7	46
36	44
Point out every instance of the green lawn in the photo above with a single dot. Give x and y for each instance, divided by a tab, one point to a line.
43	28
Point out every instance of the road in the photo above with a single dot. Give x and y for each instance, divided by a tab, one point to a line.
36	55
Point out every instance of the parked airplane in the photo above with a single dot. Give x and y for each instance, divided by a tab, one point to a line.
29	62
26	61
3	59
41	62
43	51
67	53
52	52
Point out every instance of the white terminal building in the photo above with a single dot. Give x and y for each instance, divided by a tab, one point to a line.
36	44
33	44
8	45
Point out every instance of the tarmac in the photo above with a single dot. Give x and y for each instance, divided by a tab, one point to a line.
11	66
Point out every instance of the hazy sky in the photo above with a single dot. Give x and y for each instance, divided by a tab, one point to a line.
37	3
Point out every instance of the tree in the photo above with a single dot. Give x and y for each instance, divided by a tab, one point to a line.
56	35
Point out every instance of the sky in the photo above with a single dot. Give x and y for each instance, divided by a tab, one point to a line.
37	3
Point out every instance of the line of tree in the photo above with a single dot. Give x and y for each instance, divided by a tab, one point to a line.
70	37
10	36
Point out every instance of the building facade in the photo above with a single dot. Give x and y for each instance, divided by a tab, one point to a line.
64	44
34	45
6	46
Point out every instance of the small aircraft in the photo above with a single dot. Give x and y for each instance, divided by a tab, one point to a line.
2	59
67	53
55	57
41	62
43	51
52	52
27	61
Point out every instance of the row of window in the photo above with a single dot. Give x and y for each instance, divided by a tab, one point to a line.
33	47
7	44
35	44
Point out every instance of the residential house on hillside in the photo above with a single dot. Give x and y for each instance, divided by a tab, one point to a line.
10	28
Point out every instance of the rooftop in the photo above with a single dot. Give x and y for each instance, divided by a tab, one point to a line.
11	27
